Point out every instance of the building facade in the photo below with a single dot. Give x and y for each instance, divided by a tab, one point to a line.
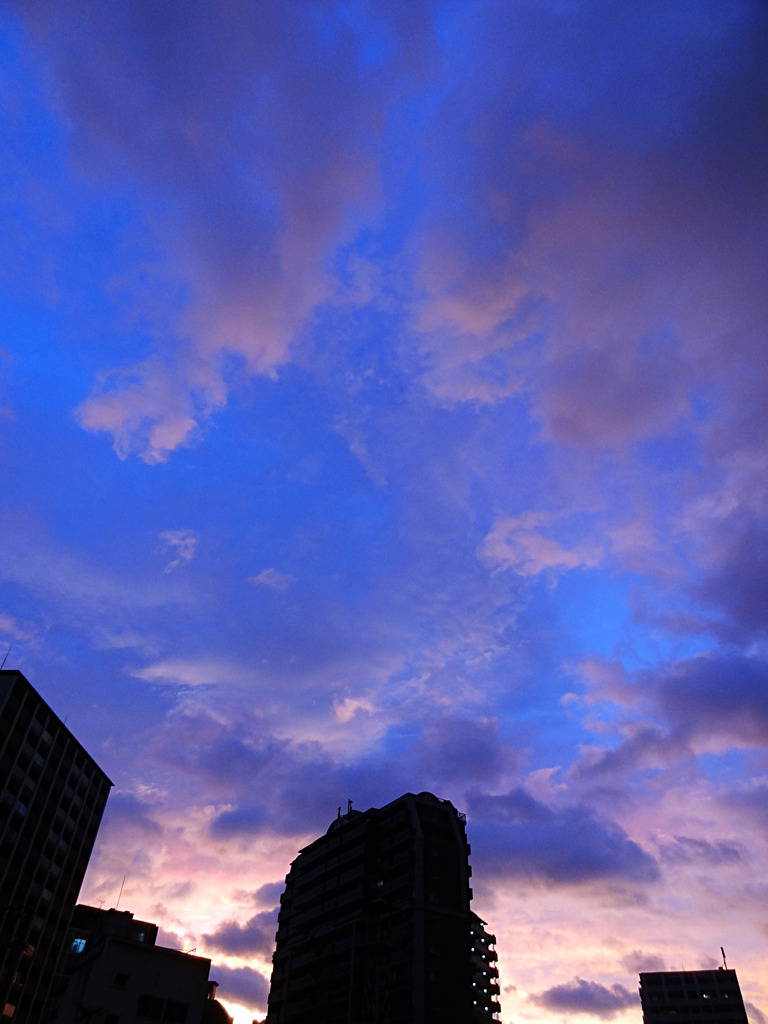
115	974
52	797
692	997
375	925
485	974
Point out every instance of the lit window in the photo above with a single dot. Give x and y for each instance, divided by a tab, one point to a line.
78	945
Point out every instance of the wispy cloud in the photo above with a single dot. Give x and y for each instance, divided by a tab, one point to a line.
183	543
273	579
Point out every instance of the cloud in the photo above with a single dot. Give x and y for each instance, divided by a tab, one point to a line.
686	850
240	984
722	698
454	748
272	579
124	810
10	628
150	409
243	820
256	936
269	893
735	584
518	543
710	703
755	1015
638	962
249	178
576	227
518	836
183	543
579	996
750	798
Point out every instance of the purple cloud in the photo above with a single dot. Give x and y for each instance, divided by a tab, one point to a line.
709	700
242	984
126	810
518	836
269	893
256	936
579	996
638	962
686	850
242	821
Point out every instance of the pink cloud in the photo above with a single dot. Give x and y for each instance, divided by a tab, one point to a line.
184	545
257	150
520	543
626	251
273	579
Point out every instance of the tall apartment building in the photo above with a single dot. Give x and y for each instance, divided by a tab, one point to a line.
692	997
375	925
52	797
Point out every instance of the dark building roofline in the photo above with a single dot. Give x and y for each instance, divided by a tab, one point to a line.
8	672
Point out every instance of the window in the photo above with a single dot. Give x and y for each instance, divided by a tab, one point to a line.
149	1007
78	945
175	1012
153	1008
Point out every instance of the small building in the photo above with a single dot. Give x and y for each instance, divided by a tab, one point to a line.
692	997
115	974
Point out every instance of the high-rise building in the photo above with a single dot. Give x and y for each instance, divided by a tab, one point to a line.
52	797
692	997
116	974
375	925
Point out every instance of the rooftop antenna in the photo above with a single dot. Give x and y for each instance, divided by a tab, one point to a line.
725	962
5	658
349	806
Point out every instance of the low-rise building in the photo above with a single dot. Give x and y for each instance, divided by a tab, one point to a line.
692	997
116	974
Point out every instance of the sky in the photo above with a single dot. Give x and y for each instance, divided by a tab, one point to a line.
383	409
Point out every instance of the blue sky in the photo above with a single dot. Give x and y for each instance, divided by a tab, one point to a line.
382	408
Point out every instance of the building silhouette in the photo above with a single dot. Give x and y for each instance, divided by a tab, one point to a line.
692	997
52	797
375	925
115	973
